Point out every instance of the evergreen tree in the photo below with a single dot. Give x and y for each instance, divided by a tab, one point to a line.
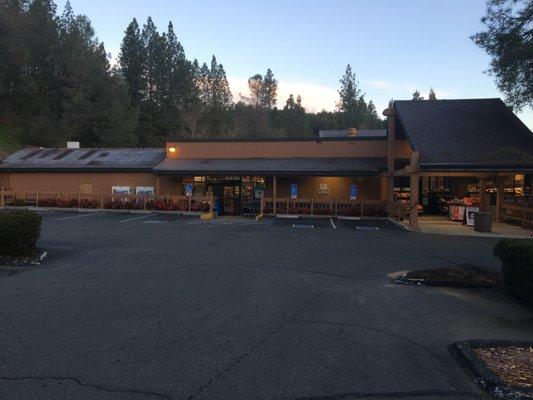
131	61
269	90
255	84
349	93
417	96
294	117
432	95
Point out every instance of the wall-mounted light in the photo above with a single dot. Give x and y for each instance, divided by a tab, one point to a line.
172	149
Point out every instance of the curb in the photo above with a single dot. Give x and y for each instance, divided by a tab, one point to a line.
107	210
402	280
24	262
481	373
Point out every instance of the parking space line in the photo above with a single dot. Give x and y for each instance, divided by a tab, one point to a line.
136	218
81	216
332	223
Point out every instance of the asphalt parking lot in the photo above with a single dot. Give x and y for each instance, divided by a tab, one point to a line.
136	306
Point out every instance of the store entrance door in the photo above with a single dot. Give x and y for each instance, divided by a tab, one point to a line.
232	200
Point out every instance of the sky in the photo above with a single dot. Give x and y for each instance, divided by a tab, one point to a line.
394	47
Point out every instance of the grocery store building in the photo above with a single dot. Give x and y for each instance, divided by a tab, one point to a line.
435	155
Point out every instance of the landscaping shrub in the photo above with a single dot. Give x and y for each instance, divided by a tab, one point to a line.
19	231
516	256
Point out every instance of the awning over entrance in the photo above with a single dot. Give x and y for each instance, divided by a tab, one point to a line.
272	166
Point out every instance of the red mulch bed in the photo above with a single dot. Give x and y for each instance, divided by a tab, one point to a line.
466	274
512	364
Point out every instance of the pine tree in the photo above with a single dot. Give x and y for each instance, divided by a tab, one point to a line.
131	61
432	94
269	90
417	96
255	84
349	92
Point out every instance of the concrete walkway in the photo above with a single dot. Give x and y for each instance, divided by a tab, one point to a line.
441	225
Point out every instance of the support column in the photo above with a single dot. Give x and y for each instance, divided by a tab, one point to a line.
413	200
500	191
483	194
391	133
157	187
274	193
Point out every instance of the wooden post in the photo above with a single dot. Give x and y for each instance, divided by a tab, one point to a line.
2	198
37	199
524	209
79	199
102	200
500	191
391	142
413	200
211	202
335	207
275	193
157	187
312	205
362	207
262	204
189	201
482	194
287	210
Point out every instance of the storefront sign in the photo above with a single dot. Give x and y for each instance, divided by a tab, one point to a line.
294	191
469	215
188	189
323	188
353	192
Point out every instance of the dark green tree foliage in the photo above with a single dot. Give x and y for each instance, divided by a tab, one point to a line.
417	96
508	39
56	84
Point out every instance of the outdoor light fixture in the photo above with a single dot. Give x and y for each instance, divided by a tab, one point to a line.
172	149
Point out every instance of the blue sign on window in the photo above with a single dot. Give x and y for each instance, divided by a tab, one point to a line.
188	189
353	192
294	191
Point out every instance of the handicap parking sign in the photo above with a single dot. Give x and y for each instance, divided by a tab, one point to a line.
353	192
188	189
294	191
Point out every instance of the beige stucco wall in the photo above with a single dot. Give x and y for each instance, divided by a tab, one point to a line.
339	187
69	181
283	149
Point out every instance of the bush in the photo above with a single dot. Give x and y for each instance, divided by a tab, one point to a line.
516	256
19	231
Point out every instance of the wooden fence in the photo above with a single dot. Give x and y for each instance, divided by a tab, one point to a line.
115	201
517	213
330	206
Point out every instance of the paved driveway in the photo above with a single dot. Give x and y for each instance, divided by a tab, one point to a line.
166	307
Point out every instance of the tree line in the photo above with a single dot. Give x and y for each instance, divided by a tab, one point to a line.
57	84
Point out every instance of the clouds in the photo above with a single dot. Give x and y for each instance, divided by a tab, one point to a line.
315	97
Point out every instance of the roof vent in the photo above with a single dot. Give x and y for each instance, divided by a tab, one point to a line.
73	145
352	132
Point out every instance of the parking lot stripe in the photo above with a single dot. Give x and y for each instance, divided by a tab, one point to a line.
81	216
136	218
332	223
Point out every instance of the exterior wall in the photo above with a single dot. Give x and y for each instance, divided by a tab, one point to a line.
369	187
283	149
70	181
3	179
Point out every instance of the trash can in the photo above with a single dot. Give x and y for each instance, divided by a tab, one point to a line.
482	221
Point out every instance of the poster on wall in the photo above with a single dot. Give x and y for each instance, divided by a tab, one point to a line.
144	190
294	191
469	215
353	192
323	188
120	189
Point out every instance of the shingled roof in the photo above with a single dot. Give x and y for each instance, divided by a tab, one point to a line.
273	166
466	134
101	159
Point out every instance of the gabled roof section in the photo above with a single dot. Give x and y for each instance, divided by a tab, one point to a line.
105	159
469	133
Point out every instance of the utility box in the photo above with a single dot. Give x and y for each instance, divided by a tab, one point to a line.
482	221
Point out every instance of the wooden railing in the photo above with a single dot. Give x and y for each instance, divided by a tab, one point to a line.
115	201
517	213
398	210
330	206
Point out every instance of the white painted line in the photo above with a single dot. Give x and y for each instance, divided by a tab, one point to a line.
155	221
136	218
81	216
303	226
332	223
286	216
367	228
